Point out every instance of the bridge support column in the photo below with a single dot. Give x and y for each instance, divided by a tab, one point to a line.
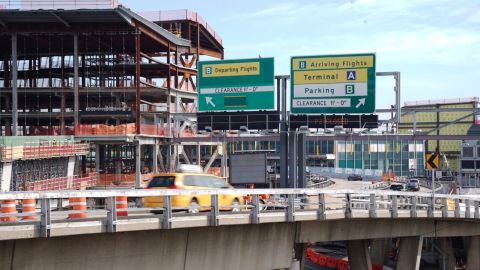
379	249
358	255
473	255
410	252
445	244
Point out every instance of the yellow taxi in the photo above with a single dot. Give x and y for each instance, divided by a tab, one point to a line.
194	181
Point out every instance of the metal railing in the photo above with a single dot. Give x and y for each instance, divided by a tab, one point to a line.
282	205
181	14
57	4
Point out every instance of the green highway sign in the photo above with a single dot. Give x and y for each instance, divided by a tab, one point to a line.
236	85
333	84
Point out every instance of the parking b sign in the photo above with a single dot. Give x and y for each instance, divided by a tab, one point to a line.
350	89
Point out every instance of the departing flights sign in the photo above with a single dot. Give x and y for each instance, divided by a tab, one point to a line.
236	85
333	84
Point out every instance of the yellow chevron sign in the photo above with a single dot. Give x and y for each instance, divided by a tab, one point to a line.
432	161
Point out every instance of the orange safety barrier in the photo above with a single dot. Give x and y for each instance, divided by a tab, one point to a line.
122	205
343	265
377	266
310	253
78	204
332	262
322	260
314	257
28	206
8	207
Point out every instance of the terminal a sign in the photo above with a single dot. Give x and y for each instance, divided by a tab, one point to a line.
236	85
333	84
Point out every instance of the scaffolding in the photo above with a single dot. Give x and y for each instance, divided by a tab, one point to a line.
104	74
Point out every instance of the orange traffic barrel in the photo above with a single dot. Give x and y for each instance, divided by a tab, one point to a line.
28	206
122	205
8	207
78	204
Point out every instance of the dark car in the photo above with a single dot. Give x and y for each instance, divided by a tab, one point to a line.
397	186
413	185
355	177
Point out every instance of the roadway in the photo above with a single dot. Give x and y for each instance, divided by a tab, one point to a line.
345	184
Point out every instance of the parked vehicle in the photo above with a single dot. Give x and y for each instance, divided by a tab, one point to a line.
355	177
413	185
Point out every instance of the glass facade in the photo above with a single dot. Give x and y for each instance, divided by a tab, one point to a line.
403	158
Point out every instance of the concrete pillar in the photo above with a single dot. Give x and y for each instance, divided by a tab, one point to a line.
199	154
410	252
300	250
6	176
358	255
14	85
155	158
473	254
379	249
224	172
445	244
71	166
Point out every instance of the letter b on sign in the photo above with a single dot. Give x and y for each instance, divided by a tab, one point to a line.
208	70
350	89
302	64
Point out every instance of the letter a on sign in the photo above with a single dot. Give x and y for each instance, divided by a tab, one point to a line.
351	75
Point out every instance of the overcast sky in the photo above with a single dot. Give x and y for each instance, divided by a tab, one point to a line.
433	43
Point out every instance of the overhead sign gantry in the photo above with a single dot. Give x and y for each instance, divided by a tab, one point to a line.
236	85
333	84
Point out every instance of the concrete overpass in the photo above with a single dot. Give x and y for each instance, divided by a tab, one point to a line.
258	237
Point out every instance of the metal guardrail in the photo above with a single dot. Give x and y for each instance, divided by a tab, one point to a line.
284	205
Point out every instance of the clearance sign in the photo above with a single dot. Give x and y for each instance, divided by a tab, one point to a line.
236	85
333	84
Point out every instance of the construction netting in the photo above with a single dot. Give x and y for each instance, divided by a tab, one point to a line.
62	183
123	129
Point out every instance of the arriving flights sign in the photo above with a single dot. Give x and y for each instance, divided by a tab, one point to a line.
236	85
333	84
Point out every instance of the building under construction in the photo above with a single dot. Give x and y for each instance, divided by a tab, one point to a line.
123	83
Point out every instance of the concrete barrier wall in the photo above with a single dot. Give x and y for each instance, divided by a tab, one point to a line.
263	246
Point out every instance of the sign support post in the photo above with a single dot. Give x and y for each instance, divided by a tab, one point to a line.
282	108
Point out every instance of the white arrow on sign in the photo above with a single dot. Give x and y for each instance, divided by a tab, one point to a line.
209	101
360	103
